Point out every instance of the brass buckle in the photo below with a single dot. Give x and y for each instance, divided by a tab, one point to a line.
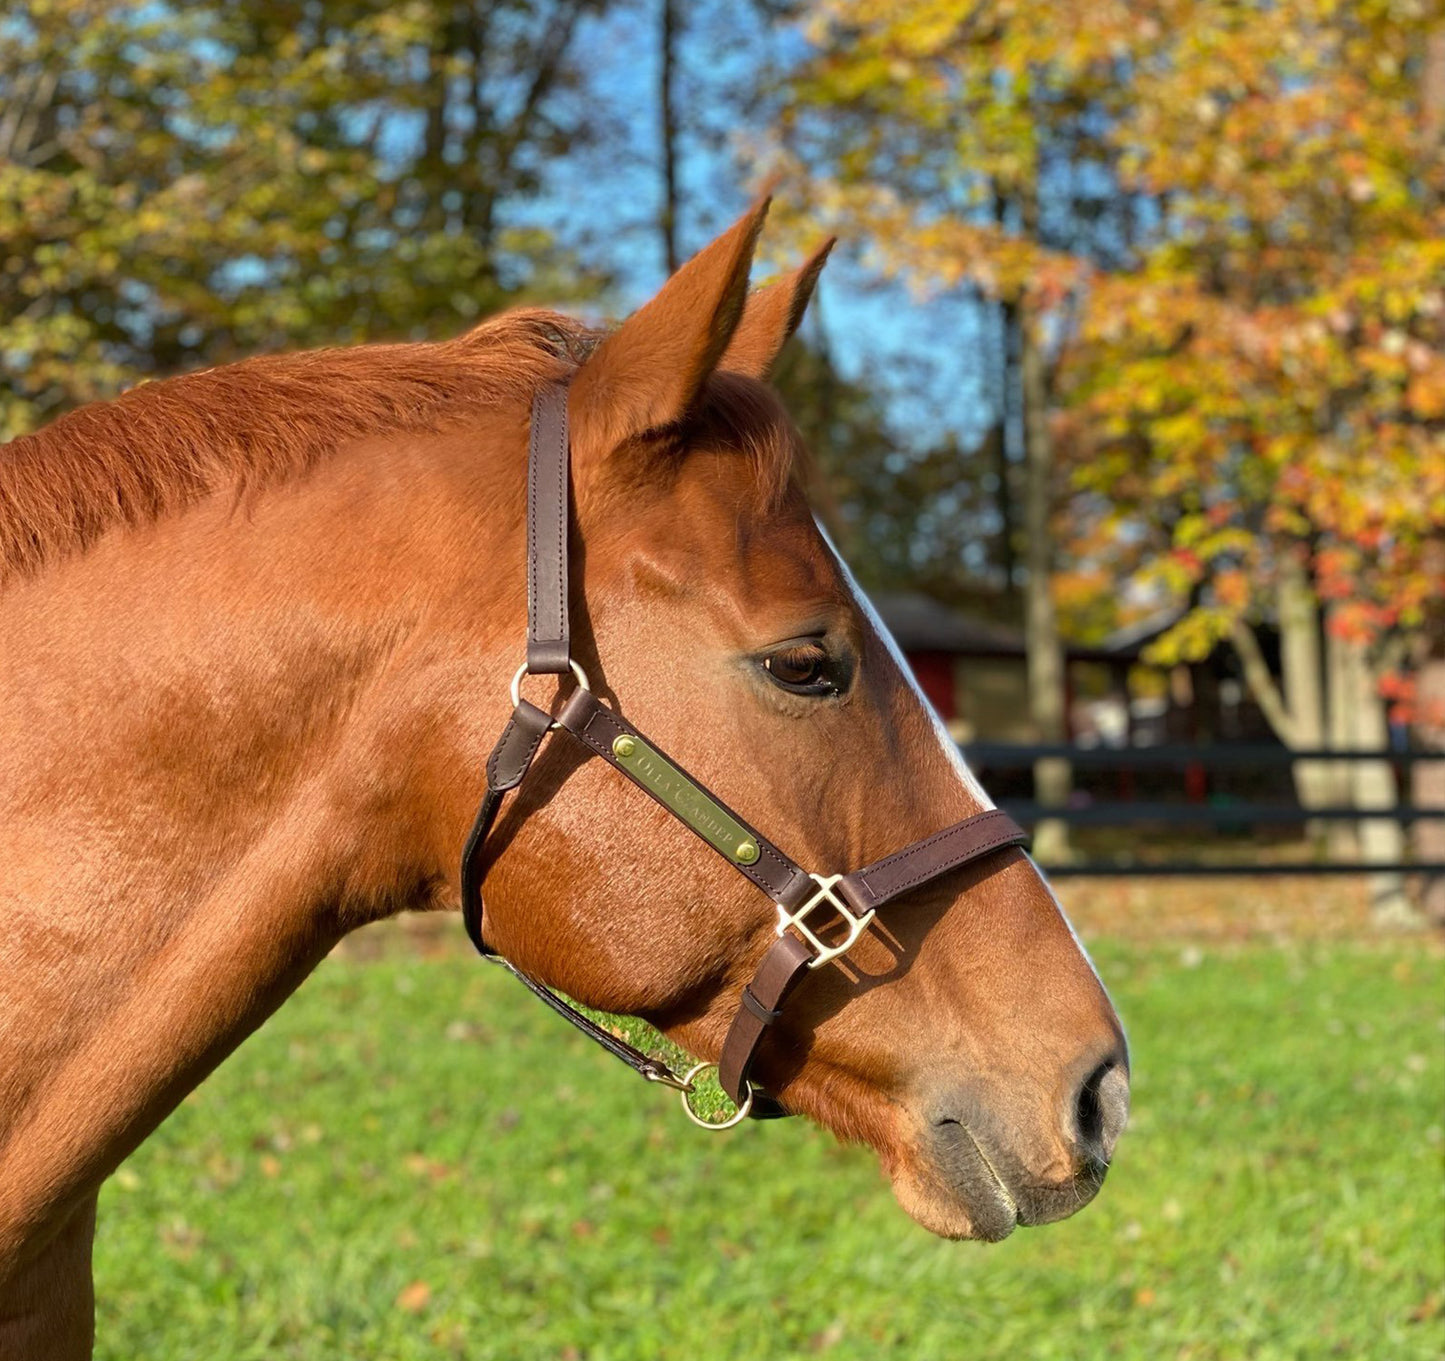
824	952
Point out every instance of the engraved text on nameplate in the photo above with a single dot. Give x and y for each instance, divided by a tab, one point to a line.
702	813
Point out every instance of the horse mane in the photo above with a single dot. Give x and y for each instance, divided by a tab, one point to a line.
251	425
247	426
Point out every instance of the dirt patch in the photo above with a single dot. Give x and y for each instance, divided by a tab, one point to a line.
1241	908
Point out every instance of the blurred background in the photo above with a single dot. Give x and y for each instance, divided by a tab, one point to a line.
1127	391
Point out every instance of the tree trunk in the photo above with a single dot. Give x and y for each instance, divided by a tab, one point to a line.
1047	691
1302	675
1382	839
1010	416
1427	785
1432	91
995	456
1339	684
667	63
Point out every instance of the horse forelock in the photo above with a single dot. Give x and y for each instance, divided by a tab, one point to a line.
747	417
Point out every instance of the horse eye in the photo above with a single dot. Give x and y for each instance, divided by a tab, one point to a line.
801	667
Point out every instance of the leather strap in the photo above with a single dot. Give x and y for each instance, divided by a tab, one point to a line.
881	882
549	648
788	961
654	1070
507	766
783	968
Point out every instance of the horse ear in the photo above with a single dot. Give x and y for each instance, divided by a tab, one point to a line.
647	373
771	316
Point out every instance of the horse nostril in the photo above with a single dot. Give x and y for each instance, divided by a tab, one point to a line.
1088	1118
1101	1110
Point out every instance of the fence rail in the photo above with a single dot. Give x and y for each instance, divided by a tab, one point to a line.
1228	756
1224	813
1129	812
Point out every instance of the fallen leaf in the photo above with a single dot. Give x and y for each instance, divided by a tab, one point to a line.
1430	1307
414	1297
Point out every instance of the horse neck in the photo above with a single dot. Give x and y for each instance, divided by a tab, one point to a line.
214	733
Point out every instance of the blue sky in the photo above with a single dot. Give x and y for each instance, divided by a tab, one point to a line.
925	356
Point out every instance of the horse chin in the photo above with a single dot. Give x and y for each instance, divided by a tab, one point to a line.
972	1204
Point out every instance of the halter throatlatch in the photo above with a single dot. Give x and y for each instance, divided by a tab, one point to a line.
852	899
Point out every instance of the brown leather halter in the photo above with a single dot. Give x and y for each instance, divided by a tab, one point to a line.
854	898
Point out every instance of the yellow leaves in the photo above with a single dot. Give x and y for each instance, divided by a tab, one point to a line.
1183	433
1087	602
1176	573
1190	529
1193	638
150	219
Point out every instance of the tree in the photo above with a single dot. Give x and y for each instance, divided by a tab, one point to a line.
183	184
1261	398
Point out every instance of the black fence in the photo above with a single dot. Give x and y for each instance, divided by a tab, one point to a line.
1237	790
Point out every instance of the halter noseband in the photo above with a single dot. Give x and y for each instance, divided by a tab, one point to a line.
854	898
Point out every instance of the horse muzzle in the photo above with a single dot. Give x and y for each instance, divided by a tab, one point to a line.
982	1166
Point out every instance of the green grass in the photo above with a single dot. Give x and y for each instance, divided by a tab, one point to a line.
414	1159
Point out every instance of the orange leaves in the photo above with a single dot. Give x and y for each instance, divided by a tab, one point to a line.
1359	621
1396	687
1231	589
1319	421
1336	571
1425	392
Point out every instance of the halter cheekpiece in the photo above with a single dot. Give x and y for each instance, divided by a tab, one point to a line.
850	899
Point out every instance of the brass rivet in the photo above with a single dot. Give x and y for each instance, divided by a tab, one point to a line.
623	746
746	852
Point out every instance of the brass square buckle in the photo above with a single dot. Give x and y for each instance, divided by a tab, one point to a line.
823	952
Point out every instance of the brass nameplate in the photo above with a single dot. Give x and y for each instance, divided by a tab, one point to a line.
672	788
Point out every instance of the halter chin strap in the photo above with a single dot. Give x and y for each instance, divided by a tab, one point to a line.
819	917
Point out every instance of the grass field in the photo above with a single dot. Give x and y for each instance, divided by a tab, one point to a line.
414	1159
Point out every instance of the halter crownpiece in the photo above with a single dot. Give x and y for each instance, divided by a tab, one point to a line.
854	898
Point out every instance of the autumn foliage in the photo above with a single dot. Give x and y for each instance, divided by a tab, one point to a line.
1269	379
1227	224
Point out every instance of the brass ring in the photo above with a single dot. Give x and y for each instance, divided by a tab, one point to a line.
739	1115
524	669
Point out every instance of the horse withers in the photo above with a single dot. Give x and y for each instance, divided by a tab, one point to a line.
259	626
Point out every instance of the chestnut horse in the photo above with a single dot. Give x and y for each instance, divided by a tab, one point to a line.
258	628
